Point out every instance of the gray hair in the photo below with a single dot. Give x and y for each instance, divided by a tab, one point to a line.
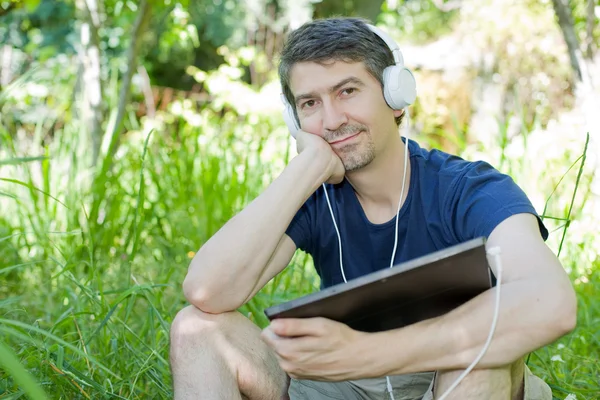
339	39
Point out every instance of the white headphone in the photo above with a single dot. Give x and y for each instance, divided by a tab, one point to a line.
399	86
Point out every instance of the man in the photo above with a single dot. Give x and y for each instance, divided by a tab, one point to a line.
332	74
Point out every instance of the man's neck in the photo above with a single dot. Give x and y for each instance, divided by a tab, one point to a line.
379	184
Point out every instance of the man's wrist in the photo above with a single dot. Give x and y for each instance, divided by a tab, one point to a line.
315	161
368	348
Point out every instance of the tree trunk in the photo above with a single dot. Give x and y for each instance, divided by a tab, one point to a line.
114	130
368	9
139	27
565	21
91	88
589	38
6	53
447	6
147	90
587	73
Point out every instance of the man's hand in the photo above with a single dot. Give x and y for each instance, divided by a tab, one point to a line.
310	142
316	348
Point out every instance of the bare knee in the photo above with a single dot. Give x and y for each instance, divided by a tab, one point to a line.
501	383
193	328
188	322
232	340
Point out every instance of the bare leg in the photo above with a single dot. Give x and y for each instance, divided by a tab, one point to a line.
221	356
494	384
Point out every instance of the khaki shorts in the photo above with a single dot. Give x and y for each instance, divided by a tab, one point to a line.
405	387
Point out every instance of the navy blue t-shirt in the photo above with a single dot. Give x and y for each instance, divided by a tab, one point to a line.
449	201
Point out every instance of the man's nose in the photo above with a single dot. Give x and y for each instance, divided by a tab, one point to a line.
334	116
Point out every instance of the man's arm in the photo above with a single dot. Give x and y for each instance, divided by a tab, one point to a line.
252	247
537	306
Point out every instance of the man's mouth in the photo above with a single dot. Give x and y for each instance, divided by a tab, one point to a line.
344	139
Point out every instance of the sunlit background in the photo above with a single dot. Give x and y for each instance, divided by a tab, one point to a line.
131	131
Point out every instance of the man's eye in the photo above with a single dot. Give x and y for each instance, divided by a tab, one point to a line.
308	104
348	91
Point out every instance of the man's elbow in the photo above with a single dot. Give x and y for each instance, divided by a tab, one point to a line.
194	293
205	299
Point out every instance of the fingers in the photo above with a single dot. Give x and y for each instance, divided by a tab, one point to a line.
301	140
294	334
287	348
293	327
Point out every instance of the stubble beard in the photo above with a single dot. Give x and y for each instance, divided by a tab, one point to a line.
355	156
358	155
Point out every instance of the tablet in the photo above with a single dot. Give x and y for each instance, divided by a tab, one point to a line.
412	291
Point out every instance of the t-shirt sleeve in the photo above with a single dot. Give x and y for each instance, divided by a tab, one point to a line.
299	230
480	198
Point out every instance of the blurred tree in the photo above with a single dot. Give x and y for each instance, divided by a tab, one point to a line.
7	6
417	21
190	34
565	21
138	29
40	29
368	9
447	6
580	57
584	62
590	42
89	77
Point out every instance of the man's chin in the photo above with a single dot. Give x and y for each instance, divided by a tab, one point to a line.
355	165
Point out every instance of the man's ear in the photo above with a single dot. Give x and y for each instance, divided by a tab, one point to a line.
398	113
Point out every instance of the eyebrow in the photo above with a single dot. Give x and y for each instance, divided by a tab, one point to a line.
351	79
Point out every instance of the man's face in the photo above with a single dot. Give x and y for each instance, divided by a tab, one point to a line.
344	104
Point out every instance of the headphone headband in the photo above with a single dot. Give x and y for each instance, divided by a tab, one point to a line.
391	44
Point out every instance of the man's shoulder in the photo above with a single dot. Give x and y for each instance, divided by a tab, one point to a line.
441	166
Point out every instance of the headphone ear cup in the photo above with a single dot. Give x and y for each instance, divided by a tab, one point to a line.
399	87
289	117
290	120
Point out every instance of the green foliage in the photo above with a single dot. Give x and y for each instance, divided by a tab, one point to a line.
571	365
10	363
106	289
580	19
40	28
416	21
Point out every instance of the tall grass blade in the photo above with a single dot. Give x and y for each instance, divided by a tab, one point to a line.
54	338
139	201
21	160
10	364
567	224
31	187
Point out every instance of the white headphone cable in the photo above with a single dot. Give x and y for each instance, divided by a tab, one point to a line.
336	231
402	190
390	388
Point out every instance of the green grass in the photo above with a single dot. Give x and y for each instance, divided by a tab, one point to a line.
92	260
571	365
